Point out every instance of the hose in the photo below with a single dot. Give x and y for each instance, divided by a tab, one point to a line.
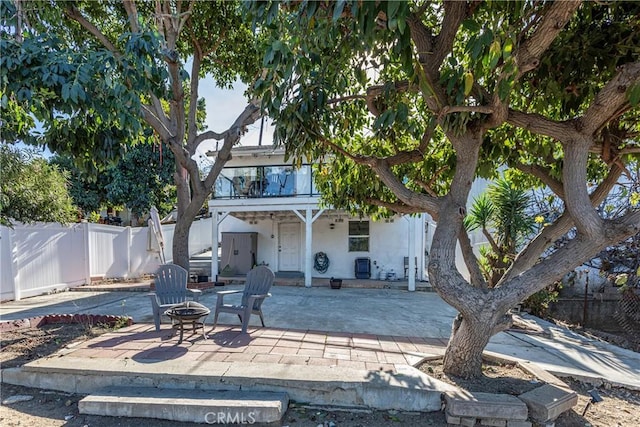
321	262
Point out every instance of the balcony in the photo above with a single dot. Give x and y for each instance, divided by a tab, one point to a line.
264	182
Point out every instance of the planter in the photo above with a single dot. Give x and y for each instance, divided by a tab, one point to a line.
335	283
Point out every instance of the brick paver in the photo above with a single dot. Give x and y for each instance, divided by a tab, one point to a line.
142	342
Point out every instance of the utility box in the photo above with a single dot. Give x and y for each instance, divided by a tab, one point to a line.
239	253
363	268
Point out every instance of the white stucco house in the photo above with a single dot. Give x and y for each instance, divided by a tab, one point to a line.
265	211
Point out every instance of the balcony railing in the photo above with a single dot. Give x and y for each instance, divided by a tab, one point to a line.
264	181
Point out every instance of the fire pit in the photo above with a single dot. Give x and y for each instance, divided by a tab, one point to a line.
188	312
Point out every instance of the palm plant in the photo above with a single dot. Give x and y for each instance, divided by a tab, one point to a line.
502	213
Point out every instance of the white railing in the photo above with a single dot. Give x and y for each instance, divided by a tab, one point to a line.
40	258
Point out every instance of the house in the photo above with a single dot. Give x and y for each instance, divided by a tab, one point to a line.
265	211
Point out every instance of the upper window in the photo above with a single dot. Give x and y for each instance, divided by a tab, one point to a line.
358	236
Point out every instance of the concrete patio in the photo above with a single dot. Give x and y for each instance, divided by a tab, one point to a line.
350	347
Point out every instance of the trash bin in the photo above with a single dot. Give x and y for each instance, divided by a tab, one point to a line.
363	268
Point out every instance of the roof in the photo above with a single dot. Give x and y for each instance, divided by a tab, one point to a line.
252	151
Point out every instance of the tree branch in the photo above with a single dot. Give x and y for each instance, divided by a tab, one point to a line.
529	255
537	124
470	260
543	175
454	13
491	240
611	101
231	136
210	135
575	252
556	16
397	207
465	109
347	98
132	15
157	123
192	125
430	204
75	14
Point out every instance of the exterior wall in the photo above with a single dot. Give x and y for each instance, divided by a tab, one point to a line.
388	244
389	241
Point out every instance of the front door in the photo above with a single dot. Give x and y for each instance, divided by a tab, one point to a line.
289	246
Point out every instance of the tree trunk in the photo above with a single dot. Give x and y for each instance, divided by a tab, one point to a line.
469	337
184	221
181	241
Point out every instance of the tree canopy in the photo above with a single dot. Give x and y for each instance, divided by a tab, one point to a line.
101	76
32	190
141	179
407	103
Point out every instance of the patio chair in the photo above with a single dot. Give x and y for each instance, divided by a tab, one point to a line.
256	289
171	290
406	267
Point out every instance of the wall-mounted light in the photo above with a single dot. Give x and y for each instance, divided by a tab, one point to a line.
332	226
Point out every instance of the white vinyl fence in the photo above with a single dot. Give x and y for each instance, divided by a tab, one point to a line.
41	258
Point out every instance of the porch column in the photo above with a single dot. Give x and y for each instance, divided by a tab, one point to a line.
214	245
412	253
308	256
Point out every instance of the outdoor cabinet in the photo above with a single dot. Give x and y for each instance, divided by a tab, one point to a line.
239	253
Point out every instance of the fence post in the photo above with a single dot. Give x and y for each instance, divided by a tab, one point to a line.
87	252
129	242
7	242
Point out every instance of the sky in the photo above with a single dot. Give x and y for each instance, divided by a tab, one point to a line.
223	107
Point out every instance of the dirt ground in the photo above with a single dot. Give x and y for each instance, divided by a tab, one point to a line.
620	408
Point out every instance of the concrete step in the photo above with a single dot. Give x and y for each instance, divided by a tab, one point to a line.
407	389
197	406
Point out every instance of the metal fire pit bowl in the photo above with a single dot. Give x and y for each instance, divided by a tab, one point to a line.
189	312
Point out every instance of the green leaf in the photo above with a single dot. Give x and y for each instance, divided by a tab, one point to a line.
507	48
471	25
392	9
65	91
634	94
504	87
495	52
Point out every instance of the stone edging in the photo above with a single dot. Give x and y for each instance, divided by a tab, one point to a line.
541	405
38	321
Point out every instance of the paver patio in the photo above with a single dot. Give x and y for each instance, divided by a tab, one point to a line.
142	343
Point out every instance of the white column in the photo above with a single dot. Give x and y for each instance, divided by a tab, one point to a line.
308	256
214	245
412	254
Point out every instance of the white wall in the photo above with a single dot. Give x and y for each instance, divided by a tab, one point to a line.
388	244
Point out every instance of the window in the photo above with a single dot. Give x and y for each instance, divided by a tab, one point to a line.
358	236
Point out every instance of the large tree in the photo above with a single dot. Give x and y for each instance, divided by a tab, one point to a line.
31	189
98	74
142	178
409	102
